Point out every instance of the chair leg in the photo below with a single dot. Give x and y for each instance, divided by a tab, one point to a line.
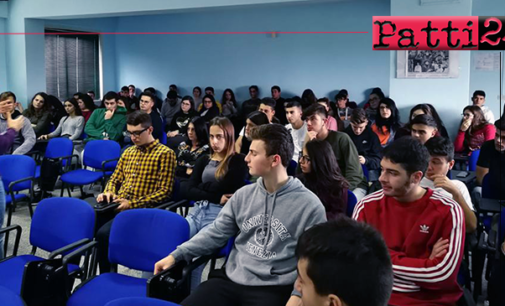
30	208
68	190
62	189
9	220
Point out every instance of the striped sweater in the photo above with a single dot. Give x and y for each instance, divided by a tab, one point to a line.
410	231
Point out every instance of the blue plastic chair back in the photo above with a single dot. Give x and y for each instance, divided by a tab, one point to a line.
17	167
225	252
9	298
472	160
365	172
140	301
141	237
97	151
351	202
292	168
58	147
58	222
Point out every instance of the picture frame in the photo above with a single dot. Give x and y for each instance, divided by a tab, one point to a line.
427	64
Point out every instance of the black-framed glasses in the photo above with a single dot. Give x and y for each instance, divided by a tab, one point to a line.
304	158
136	133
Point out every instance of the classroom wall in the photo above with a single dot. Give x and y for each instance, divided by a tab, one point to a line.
449	96
322	62
488	80
3	59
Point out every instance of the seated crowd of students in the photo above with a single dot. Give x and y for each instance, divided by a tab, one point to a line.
293	244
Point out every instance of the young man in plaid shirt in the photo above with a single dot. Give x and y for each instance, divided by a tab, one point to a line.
144	177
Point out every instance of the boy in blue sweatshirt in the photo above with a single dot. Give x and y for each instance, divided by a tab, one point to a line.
266	219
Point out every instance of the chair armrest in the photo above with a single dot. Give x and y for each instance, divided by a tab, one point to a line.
108	161
12	184
86	249
69	159
67	248
18	230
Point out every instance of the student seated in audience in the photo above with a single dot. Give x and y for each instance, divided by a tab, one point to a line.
39	114
87	106
197	97
13	126
56	108
210	91
343	262
131	91
252	104
147	102
297	126
173	87
331	123
170	107
209	110
181	119
473	131
322	176
423	109
441	162
243	142
107	123
267	106
196	145
349	103
366	141
423	127
260	269
77	95
492	160
159	103
25	137
229	103
342	110
342	145
372	106
214	179
70	126
279	104
387	122
426	238
308	98
125	91
135	104
479	99
144	177
125	102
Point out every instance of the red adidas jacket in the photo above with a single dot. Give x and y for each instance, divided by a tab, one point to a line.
410	231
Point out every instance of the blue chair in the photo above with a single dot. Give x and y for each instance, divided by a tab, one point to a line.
58	226
351	202
61	148
18	174
102	156
472	160
163	139
138	239
9	298
365	172
140	302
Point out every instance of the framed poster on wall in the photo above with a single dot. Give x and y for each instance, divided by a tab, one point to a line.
427	64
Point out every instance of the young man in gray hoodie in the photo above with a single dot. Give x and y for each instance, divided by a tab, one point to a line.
266	219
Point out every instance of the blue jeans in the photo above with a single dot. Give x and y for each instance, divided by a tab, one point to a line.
2	214
202	215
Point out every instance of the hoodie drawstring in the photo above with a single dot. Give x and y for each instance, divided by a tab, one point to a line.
269	221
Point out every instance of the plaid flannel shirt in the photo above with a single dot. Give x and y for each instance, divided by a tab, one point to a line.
144	175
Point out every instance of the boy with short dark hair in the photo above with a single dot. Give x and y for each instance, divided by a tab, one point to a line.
479	99
279	104
297	126
423	229
343	262
423	127
267	106
266	219
441	162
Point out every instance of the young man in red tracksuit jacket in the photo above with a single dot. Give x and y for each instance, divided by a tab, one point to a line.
423	229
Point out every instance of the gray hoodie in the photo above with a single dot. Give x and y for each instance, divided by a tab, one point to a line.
256	260
25	138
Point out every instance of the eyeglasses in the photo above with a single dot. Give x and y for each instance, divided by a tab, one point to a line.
304	158
135	133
